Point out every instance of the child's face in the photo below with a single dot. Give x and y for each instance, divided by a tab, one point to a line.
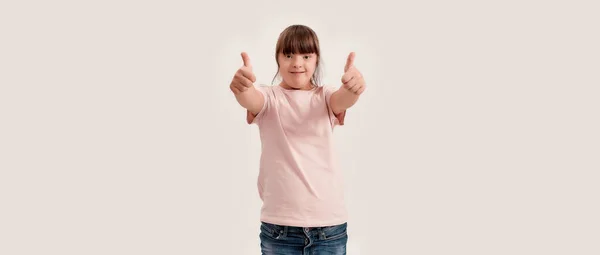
297	69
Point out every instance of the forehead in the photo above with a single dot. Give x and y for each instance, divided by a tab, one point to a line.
299	54
298	42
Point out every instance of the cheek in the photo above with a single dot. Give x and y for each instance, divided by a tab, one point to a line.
312	67
283	70
311	70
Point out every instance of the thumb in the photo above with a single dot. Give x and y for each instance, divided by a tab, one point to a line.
349	61
246	59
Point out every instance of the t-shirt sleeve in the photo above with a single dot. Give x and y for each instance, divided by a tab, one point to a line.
251	118
335	119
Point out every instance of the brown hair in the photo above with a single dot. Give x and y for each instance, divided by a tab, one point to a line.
299	39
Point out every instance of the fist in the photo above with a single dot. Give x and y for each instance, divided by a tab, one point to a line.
244	77
352	80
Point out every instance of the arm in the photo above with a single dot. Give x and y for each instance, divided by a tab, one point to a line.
342	99
251	99
353	85
243	88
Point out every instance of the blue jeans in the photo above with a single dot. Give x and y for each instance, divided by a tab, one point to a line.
287	240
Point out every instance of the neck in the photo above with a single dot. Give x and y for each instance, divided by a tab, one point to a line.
308	86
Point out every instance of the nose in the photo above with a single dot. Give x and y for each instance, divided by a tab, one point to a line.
297	63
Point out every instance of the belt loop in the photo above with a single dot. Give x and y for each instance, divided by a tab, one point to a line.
285	231
321	234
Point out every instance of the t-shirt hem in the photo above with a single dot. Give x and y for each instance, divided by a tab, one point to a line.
303	223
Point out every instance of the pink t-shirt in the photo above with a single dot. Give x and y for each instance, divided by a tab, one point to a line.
299	181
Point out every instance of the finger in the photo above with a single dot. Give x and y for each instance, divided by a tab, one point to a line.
238	87
348	76
361	90
243	81
246	59
356	87
349	61
234	90
241	87
247	73
350	85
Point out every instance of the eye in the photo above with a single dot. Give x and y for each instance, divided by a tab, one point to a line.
288	56
306	57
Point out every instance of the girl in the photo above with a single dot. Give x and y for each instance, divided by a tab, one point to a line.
299	181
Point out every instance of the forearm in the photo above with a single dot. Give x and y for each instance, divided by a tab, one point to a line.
343	99
250	99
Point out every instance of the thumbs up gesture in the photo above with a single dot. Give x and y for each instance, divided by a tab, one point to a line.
244	77
352	80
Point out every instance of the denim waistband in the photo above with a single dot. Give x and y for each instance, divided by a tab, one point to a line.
279	228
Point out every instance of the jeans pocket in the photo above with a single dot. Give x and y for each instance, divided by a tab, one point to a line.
335	232
270	230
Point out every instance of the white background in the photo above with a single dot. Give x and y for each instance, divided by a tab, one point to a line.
478	132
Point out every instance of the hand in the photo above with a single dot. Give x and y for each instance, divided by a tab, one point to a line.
244	77
352	79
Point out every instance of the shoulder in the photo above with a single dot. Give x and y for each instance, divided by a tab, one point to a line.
264	87
266	90
328	90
